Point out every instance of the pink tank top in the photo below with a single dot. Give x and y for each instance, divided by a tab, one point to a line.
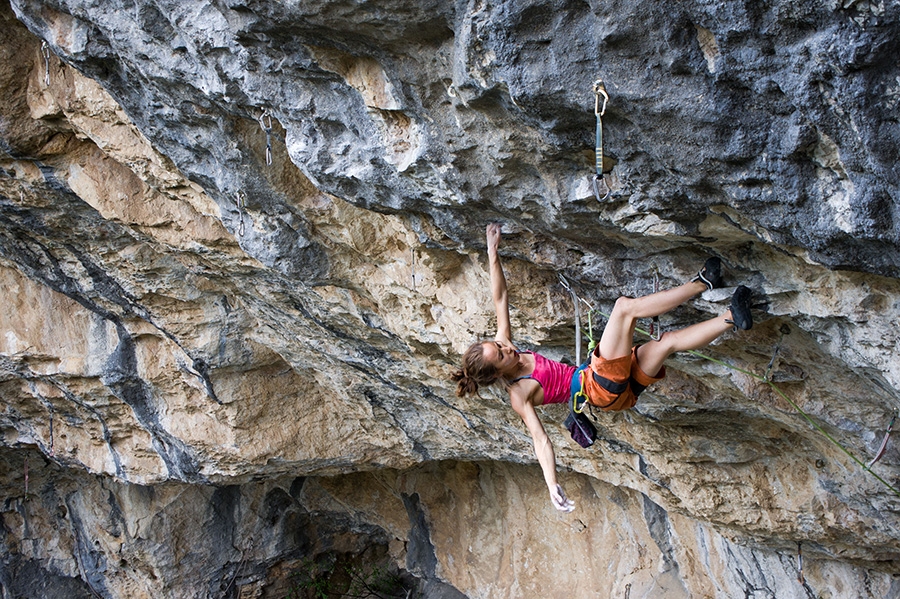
554	377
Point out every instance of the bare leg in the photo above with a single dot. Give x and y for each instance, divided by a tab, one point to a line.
618	336
651	355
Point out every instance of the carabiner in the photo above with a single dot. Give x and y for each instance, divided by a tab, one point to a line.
600	90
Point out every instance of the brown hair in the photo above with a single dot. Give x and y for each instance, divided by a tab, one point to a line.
475	372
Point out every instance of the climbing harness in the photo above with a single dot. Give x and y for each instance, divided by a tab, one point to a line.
884	442
785	330
580	399
265	121
241	206
45	51
599	111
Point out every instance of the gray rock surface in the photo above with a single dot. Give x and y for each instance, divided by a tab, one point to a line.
190	333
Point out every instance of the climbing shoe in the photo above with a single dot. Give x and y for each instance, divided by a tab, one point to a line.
740	308
711	274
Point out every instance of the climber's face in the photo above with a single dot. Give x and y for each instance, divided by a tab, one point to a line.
502	357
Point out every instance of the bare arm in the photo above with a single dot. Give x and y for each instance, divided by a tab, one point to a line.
543	448
498	285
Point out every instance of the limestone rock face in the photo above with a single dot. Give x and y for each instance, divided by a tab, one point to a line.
241	251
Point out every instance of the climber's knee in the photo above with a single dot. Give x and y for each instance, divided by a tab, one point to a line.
624	307
668	342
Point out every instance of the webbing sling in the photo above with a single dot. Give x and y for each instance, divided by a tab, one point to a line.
599	110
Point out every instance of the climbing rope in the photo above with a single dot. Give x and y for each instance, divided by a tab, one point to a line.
591	342
580	399
599	111
575	302
763	379
808	418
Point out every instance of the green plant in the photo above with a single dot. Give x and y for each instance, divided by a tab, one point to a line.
317	580
311	579
376	583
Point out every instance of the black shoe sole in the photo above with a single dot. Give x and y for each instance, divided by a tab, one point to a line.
740	308
711	273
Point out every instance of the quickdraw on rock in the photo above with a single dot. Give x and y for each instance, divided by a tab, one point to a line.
45	51
599	111
265	121
241	206
785	330
884	442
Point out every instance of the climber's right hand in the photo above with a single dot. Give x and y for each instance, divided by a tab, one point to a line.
560	501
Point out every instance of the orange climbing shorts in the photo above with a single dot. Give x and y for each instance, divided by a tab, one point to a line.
615	384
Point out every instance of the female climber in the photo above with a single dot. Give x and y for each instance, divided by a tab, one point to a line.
616	372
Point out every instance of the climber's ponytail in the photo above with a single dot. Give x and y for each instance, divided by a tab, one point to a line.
464	385
475	372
